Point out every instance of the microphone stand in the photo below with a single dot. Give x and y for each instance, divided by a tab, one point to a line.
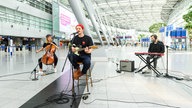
167	74
118	70
74	34
35	73
65	60
61	99
74	95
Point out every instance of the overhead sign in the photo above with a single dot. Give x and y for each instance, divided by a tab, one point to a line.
67	20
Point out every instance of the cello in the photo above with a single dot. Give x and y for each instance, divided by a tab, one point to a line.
48	57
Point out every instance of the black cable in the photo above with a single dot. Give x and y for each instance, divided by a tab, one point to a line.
127	101
83	84
182	83
65	91
15	80
43	104
61	98
176	72
173	71
57	98
144	102
13	74
99	80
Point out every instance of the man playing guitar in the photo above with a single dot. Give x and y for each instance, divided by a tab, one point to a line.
84	56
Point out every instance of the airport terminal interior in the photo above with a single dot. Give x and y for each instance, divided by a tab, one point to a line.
95	53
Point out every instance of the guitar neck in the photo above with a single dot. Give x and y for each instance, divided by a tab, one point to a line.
78	49
81	49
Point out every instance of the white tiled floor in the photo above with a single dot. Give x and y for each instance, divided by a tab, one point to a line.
113	90
17	89
131	88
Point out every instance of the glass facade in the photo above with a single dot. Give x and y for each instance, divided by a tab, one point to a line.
14	16
39	4
65	3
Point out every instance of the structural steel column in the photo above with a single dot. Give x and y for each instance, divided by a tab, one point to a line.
79	14
109	32
91	13
100	21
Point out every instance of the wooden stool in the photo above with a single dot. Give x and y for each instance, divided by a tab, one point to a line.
88	76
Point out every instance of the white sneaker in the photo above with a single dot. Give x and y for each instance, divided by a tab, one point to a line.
55	69
40	73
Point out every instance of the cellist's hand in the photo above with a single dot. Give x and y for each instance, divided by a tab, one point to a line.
54	45
39	50
36	51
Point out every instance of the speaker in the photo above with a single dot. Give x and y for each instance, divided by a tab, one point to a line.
126	65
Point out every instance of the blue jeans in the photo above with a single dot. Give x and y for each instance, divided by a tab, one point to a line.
85	59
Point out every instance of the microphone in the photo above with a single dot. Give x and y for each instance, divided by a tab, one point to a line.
74	33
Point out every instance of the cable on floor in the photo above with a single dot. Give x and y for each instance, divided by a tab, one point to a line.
185	77
63	97
13	74
183	84
99	80
59	96
15	80
142	102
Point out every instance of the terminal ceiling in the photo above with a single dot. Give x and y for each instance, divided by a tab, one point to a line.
134	14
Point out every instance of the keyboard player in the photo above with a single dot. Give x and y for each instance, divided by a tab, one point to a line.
155	46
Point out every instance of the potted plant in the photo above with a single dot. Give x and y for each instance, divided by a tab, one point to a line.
188	19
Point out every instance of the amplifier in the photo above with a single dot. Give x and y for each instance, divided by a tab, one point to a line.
126	65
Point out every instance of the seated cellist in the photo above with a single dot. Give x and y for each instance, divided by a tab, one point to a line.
49	41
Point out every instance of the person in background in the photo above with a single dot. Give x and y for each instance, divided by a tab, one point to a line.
5	42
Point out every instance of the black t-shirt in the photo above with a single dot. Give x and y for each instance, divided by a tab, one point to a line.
82	42
46	44
158	47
